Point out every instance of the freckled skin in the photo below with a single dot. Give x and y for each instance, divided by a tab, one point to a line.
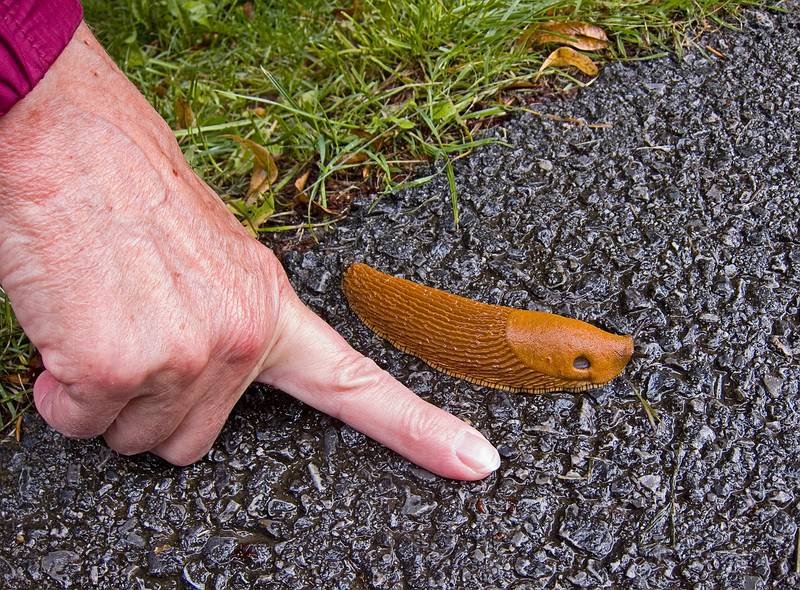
496	346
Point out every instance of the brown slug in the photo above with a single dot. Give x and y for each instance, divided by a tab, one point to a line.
491	345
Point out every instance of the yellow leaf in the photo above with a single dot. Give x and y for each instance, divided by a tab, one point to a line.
578	34
566	56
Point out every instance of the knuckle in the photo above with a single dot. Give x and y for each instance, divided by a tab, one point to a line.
248	343
352	375
349	378
90	374
417	425
64	369
186	359
109	376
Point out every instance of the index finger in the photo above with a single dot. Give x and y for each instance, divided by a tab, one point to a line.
313	363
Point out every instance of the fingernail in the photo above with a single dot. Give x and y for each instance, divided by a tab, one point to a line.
477	453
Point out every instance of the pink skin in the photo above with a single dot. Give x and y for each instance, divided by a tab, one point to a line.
152	308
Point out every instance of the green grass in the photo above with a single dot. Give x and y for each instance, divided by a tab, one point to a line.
352	92
349	96
16	353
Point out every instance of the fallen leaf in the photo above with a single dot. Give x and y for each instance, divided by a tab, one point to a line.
16	378
160	89
300	183
566	56
265	170
18	428
247	9
578	34
183	114
259	182
354	158
351	11
363	134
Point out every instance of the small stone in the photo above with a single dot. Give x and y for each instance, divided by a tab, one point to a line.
415	506
773	384
704	436
651	482
164	562
316	479
195	575
278	508
218	550
56	564
587	534
698	405
586	417
423	474
320	282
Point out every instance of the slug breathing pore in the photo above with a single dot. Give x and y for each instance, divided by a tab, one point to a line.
492	345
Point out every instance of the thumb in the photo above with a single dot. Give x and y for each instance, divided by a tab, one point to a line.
69	413
313	363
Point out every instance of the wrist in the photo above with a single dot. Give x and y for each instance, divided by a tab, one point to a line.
56	140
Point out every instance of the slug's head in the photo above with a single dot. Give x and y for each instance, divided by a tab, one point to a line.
574	355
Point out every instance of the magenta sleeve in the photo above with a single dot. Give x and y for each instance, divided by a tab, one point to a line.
32	35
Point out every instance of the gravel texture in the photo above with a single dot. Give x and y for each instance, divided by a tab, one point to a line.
673	215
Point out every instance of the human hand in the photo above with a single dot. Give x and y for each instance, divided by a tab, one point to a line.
150	305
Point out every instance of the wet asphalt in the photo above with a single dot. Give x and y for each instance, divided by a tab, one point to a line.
661	201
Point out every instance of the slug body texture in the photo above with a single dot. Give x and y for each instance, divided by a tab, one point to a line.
496	346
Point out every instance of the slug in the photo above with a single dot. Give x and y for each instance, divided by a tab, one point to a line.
491	345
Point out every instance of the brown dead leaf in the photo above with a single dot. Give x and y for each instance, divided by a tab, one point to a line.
352	11
300	183
18	428
184	115
580	35
566	56
160	89
354	158
16	378
265	170
247	9
259	182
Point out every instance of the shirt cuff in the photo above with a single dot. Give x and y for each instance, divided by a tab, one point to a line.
33	33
